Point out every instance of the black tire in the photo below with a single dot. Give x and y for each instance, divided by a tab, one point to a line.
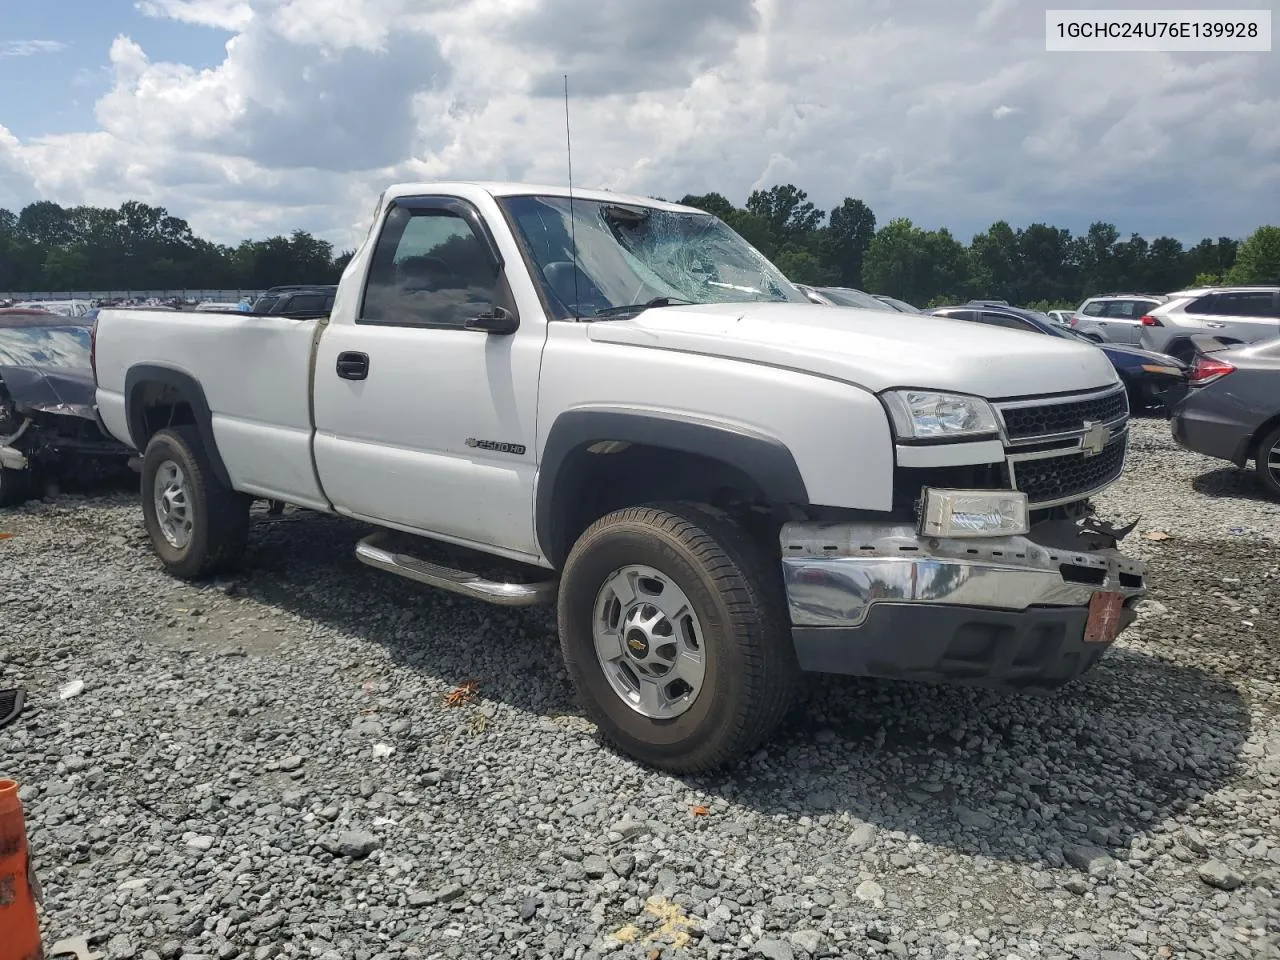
1270	478
751	673
219	515
14	487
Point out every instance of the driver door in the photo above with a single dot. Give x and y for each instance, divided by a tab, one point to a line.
423	422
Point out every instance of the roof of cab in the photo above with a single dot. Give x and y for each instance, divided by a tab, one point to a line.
509	189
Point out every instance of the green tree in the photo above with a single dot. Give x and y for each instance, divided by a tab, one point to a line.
851	227
1258	260
787	212
917	265
997	261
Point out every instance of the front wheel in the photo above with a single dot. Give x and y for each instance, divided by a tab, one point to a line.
197	525
1268	462
675	633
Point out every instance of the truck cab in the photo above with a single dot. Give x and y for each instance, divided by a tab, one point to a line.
617	405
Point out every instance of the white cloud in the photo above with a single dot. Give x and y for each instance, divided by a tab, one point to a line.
949	112
30	48
223	14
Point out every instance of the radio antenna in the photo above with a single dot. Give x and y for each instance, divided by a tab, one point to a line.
573	232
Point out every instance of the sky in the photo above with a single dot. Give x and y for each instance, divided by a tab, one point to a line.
256	117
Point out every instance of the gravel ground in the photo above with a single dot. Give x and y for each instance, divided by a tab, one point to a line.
269	767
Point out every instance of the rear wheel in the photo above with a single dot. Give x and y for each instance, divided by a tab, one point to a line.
1267	461
197	526
675	634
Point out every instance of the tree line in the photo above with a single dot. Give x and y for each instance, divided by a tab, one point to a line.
141	247
49	247
1038	265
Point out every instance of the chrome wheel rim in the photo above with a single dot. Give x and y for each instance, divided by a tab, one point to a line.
173	504
1273	463
649	642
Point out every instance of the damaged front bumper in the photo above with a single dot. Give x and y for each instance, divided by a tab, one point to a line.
1014	611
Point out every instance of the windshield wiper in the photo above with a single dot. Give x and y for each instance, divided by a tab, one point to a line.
633	308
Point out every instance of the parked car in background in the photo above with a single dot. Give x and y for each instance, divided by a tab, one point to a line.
297	301
1114	317
65	308
1232	406
900	305
49	429
843	297
1229	314
1147	376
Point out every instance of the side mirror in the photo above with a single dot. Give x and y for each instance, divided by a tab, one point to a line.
498	320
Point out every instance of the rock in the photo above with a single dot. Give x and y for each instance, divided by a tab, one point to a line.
291	762
449	893
595	866
973	819
623	865
1217	874
528	907
354	844
869	890
121	947
629	829
863	836
772	949
421	898
199	842
810	941
1094	861
1192	840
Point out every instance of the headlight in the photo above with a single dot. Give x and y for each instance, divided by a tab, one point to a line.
925	415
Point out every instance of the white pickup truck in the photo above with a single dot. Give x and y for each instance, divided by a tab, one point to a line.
617	405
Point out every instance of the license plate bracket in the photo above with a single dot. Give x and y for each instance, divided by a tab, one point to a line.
1103	625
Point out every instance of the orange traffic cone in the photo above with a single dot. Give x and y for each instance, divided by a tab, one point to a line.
19	929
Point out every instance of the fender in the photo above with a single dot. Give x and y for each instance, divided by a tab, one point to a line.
191	391
763	458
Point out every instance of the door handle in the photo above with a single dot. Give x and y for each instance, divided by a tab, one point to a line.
1214	325
352	365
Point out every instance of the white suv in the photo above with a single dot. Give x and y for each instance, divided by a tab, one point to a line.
1114	317
1232	314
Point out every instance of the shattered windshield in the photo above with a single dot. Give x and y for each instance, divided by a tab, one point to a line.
633	256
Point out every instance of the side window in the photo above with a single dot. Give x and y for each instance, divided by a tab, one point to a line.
1125	309
1093	308
1259	304
306	303
1008	322
1205	305
429	269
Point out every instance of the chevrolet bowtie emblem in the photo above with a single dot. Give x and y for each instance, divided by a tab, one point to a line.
1095	438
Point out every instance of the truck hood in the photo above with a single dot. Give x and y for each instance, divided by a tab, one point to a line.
872	349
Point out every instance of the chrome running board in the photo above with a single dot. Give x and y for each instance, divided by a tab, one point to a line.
374	551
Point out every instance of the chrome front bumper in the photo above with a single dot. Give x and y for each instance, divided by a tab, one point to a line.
1006	612
836	572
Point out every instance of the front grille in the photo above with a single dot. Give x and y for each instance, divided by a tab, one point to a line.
1061	478
1052	418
